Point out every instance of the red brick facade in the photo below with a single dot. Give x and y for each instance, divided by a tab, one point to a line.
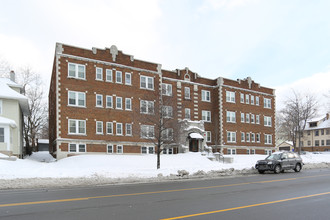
65	116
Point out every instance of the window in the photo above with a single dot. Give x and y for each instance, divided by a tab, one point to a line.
242	117
322	142
109	101
230	96
167	111
109	149
322	131
147	150
167	89
119	103
252	100
128	79
309	143
109	128
77	99
247	118
99	127
99	100
308	132
128	129
120	149
252	118
146	107
167	134
108	75
317	143
206	116
206	96
168	151
208	136
327	142
77	148
267	121
242	137
77	126
268	152
267	103
316	132
231	137
268	139
258	138
257	100
327	131
257	119
242	98
147	131
247	137
187	113
146	82
119	77
231	117
231	151
248	151
253	151
253	139
2	135
76	71
247	99
119	128
186	92
99	73
128	104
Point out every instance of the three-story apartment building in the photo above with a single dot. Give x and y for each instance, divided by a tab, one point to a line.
104	101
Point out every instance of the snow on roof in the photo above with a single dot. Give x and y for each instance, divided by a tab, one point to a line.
8	93
322	123
43	141
7	121
196	136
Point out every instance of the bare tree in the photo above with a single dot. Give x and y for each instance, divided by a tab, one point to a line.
298	110
4	68
327	96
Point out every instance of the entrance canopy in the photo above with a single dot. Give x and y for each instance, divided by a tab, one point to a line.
195	136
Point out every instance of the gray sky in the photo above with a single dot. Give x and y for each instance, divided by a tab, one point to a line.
279	43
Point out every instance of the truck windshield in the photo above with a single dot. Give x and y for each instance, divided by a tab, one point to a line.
274	157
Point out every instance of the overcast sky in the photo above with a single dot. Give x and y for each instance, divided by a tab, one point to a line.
281	44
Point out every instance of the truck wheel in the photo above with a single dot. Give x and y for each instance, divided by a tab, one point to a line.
277	169
297	168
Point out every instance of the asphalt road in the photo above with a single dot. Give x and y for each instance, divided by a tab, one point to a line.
304	195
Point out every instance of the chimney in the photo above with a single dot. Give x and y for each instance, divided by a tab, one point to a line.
12	75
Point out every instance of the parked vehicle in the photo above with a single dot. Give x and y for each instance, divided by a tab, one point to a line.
280	161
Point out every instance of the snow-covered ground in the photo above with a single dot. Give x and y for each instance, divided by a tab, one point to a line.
41	170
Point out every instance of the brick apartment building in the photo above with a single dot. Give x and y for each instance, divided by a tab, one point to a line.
104	101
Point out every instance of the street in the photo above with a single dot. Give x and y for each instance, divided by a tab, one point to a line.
288	195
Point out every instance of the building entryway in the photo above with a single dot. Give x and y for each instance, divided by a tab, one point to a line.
195	140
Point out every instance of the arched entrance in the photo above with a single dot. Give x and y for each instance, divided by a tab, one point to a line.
195	141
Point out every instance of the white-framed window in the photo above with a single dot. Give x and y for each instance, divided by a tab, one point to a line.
231	151
247	137
231	117
258	138
128	79
167	111
109	127
109	101
268	139
247	118
77	126
77	99
230	96
247	98
242	97
242	137
208	136
147	150
119	77
267	121
168	151
119	102
99	73
253	151
252	119
120	149
146	82
257	119
99	127
99	100
206	96
231	137
167	134
268	152
253	137
2	135
147	107
128	129
267	103
73	147
147	131
242	117
119	128
110	149
108	75
206	116
167	89
257	100
128	104
252	100
186	92
77	71
187	113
